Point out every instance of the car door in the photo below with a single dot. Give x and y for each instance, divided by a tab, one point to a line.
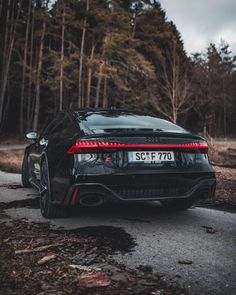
37	149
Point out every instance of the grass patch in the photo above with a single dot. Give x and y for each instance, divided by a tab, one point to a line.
11	161
223	153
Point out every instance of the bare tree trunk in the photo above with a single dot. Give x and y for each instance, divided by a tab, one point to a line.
5	49
55	103
1	5
62	58
4	60
29	99
24	70
104	101
174	117
99	84
80	98
224	116
8	56
174	84
6	113
38	75
100	72
89	78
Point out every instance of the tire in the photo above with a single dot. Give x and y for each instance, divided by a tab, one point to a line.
25	172
177	205
47	208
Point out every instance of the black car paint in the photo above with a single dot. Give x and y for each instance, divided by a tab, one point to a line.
66	173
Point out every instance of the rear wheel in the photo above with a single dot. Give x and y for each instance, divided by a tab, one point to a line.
48	209
177	204
25	171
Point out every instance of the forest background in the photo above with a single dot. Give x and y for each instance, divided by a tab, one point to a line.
71	54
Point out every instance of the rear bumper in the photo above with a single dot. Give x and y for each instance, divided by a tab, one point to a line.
198	189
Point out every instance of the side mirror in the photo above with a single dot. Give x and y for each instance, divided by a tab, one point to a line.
32	135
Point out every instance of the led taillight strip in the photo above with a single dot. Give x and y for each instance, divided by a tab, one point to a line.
86	146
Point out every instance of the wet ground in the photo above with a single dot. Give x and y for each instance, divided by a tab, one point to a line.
141	248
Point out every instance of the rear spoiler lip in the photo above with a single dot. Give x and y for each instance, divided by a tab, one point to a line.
187	135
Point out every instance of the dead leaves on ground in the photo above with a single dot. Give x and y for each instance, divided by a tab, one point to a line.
99	279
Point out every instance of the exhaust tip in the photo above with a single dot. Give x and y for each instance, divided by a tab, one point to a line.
91	200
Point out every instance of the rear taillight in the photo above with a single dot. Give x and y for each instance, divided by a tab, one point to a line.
89	147
84	147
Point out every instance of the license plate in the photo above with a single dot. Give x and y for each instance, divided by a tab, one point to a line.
151	156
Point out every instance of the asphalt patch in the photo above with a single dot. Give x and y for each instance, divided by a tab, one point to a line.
27	203
109	240
11	186
117	238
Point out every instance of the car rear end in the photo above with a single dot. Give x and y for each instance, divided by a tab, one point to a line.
131	163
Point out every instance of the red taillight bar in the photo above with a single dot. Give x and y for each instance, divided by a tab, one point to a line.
86	146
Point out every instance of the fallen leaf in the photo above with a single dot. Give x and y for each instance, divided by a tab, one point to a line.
38	249
45	259
14	274
131	279
98	279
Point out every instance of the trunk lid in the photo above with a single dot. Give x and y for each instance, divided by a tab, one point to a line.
159	150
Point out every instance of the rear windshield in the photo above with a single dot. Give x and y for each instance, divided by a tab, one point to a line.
108	121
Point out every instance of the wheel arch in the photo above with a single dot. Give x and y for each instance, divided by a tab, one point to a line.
44	157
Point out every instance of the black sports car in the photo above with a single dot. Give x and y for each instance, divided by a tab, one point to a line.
89	157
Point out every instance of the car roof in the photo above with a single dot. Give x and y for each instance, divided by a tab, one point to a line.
109	111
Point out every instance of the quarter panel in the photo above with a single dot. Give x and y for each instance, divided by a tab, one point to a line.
60	163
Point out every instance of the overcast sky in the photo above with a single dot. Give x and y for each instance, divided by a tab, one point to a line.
203	21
